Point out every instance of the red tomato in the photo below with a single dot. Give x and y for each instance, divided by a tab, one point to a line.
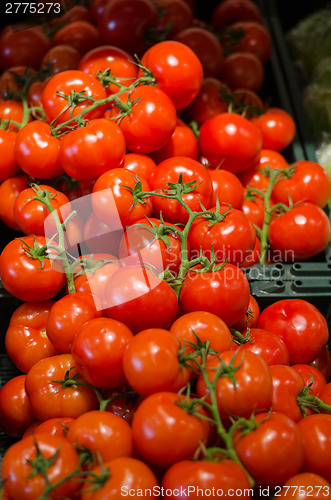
26	338
62	58
325	396
248	36
310	182
125	474
53	427
154	432
31	143
140	164
126	24
226	476
22	47
96	273
254	209
181	143
303	486
174	16
67	316
230	11
209	101
152	363
177	70
33	96
301	233
300	324
81	35
102	433
8	165
18	270
255	177
113	199
66	81
272	452
11	110
266	345
140	299
316	433
151	121
98	350
24	481
15	409
9	190
9	81
277	127
249	320
323	362
224	293
254	257
88	152
240	390
229	237
206	46
117	60
313	378
169	171
230	140
227	188
49	393
243	70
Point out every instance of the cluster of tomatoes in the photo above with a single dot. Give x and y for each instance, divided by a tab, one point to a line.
142	171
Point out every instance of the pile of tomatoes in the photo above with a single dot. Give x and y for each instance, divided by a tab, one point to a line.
142	171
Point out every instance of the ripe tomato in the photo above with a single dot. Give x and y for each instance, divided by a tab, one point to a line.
255	176
126	24
49	394
88	152
102	433
11	110
53	426
230	11
98	350
209	101
141	300
310	182
9	190
316	433
272	452
169	171
254	209
9	81
67	316
313	378
301	233
22	480
113	199
8	165
124	474
31	143
66	81
26	337
15	409
277	127
32	43
231	140
242	390
96	274
323	362
243	70
81	35
62	58
18	271
181	143
76	13
249	36
177	70
249	320
303	486
174	16
140	164
267	345
152	363
226	476
224	293
154	432
227	188
117	60
325	396
300	324
230	239
206	46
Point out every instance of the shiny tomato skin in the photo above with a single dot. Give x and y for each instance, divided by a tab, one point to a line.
154	434
315	430
177	70
94	281
255	39
26	337
255	177
48	399
98	350
208	102
243	70
300	324
301	233
323	362
230	140
18	271
286	386
181	143
266	345
151	363
62	57
174	14
11	110
141	300
53	426
254	209
80	35
32	43
251	390
8	165
54	105
32	141
215	292
313	378
230	11
226	476
310	182
139	163
15	409
227	188
9	190
90	151
274	451
249	320
303	486
277	127
169	171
